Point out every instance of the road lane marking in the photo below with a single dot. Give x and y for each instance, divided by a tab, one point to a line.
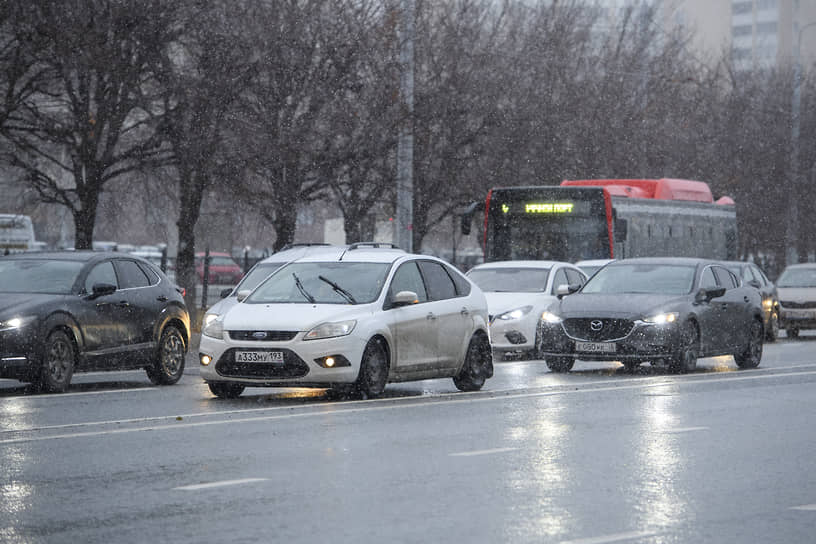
481	452
683	430
368	405
80	393
219	484
808	507
618	537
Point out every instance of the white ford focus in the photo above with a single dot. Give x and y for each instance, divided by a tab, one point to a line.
354	319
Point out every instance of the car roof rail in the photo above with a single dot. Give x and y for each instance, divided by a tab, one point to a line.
303	244
376	245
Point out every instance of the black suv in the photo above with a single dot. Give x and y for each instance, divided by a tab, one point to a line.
62	312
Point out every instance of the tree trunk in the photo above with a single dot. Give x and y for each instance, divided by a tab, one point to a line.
189	211
285	222
85	215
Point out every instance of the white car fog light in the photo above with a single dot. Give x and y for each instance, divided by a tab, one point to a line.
205	360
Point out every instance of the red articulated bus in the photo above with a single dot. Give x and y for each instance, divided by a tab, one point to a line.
607	219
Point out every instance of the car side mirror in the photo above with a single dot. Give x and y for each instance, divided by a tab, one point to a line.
226	292
705	294
566	289
102	289
755	284
405	298
242	295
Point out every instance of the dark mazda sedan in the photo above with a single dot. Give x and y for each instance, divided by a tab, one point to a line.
667	311
62	312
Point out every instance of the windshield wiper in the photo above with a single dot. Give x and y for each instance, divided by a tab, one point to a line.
302	289
339	289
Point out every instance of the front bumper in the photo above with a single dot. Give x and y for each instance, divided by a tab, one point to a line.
513	335
298	369
18	355
645	342
800	319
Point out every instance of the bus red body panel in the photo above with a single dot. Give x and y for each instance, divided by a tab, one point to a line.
659	189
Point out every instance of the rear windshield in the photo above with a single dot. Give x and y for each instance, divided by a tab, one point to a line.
38	276
323	283
663	279
515	280
797	277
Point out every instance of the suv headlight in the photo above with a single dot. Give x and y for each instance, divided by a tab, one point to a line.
330	330
16	323
662	319
518	313
549	317
213	327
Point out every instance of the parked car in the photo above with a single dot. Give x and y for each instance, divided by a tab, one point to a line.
223	269
517	292
752	275
352	319
663	310
73	311
592	265
259	272
797	298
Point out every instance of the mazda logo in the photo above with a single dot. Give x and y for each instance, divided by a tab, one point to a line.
259	334
596	325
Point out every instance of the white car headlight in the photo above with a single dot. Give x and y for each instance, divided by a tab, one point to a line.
549	317
17	323
330	330
662	319
518	313
214	327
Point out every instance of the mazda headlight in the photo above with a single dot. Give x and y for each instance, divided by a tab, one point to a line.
331	330
214	327
549	317
16	323
518	313
662	319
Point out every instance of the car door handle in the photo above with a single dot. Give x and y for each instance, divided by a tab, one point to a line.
123	303
161	298
430	316
465	312
746	299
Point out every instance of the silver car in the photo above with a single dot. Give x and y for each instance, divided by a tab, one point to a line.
797	298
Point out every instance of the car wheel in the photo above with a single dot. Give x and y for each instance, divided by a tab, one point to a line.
752	354
792	332
226	390
773	327
59	359
559	364
478	365
631	366
685	360
373	370
169	364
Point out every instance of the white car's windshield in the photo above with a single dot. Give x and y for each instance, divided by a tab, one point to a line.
797	277
323	283
255	276
516	280
38	276
642	278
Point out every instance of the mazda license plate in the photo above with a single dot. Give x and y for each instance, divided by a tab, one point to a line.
259	357
596	347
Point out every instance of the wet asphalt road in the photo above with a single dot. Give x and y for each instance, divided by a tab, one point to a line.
594	456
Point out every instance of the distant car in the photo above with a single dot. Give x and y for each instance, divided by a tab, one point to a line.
663	310
259	272
352	319
72	311
752	275
797	298
592	265
517	292
223	269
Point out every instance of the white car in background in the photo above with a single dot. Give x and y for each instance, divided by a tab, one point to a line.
592	265
517	293
353	319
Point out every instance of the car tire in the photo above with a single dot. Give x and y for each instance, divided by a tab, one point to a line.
478	365
58	362
559	364
226	390
751	356
792	332
631	366
685	360
773	327
169	364
373	373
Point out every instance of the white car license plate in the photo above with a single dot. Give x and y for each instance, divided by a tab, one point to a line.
596	347
259	357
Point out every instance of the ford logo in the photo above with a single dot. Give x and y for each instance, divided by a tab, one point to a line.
596	325
259	335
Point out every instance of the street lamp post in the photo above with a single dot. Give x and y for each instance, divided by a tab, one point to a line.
792	225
